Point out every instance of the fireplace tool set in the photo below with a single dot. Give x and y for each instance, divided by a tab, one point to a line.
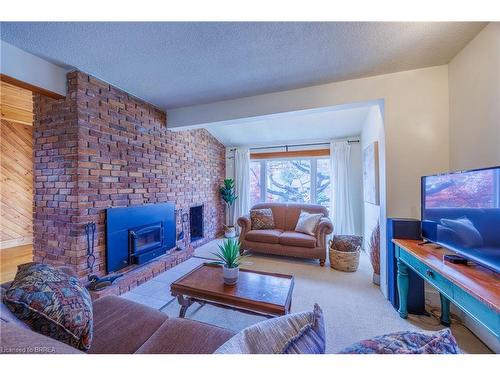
181	236
96	282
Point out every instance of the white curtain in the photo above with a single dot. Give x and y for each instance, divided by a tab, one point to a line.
242	182
341	212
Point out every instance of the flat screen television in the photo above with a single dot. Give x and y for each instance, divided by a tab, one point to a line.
461	212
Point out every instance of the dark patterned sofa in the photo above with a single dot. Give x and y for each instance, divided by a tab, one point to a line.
120	327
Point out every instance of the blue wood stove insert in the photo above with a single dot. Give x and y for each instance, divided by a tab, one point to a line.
138	234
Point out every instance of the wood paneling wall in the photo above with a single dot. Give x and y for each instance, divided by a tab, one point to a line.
16	172
16	104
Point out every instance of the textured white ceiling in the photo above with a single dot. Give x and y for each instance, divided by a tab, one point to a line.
300	127
178	64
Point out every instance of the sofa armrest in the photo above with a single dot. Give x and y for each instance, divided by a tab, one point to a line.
325	227
245	224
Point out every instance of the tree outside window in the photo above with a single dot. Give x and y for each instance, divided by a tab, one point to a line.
290	180
323	185
255	185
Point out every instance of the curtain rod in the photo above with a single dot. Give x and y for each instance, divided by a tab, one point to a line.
298	145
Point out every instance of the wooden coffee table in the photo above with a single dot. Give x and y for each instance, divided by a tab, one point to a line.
262	293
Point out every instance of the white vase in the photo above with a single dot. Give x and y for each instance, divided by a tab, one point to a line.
229	232
230	275
376	278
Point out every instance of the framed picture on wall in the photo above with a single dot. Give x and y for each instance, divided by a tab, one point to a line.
370	174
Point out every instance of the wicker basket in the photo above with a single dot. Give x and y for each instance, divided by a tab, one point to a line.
346	260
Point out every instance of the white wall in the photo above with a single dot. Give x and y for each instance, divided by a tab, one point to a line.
373	131
416	122
31	69
474	86
474	81
416	126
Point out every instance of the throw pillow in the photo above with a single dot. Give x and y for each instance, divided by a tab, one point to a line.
464	231
407	342
307	223
52	303
7	316
299	333
262	218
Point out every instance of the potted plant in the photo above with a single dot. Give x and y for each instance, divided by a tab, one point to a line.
230	260
227	192
375	253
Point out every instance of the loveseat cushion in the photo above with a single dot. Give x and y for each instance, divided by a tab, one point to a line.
262	218
184	336
7	316
307	223
297	239
52	303
264	235
122	326
293	211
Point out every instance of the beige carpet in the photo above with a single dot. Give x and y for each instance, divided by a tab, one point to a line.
354	307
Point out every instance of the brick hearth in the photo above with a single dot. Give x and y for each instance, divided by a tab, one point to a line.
101	147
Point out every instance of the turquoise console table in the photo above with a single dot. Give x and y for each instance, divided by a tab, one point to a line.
474	289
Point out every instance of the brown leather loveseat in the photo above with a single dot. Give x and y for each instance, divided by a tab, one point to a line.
283	240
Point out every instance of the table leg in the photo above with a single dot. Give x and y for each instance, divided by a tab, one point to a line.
185	302
445	311
403	285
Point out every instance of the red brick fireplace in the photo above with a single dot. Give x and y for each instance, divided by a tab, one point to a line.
101	147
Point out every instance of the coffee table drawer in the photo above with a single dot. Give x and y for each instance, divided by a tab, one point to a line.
427	273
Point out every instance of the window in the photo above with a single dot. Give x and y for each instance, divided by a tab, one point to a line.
255	185
323	182
290	180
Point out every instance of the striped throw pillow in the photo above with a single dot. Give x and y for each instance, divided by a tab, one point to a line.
299	333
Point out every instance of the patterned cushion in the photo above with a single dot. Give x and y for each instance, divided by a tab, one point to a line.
407	342
6	315
262	218
299	333
52	303
307	223
346	243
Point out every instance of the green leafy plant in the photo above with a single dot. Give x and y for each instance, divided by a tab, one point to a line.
229	254
228	195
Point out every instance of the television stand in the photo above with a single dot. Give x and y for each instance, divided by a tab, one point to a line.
474	289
